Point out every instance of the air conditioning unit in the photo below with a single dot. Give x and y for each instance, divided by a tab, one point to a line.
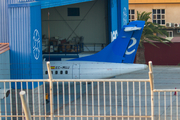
178	30
168	24
176	25
172	24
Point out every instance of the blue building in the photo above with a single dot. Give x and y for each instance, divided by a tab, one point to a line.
24	22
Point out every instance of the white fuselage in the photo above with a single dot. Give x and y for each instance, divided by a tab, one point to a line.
88	70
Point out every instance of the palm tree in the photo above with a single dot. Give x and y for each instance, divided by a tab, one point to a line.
150	32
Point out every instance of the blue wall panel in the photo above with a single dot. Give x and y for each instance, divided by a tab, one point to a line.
25	41
123	13
19	43
4	25
36	42
118	17
4	36
56	3
113	20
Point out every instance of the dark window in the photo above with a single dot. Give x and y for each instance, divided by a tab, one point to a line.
46	72
154	11
131	15
132	11
154	16
56	72
61	72
163	16
170	34
154	21
158	11
66	72
159	21
73	12
158	16
52	72
163	11
163	21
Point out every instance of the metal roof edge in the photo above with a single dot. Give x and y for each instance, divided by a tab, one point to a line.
24	4
56	3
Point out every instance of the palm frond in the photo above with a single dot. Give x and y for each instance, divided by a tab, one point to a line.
151	43
150	29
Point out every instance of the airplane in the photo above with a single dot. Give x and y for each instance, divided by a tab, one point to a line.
115	59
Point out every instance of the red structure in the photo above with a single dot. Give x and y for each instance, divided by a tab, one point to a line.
163	54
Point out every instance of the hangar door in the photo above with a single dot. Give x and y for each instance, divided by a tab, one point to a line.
83	22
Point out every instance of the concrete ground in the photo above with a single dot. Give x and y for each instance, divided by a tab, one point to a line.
135	101
165	77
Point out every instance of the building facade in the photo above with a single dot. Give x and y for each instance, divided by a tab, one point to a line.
164	12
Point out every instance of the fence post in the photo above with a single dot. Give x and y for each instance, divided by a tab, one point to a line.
151	78
25	105
51	90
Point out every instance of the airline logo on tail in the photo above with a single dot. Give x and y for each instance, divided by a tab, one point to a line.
131	46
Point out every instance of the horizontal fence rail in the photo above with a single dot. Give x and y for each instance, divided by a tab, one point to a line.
107	99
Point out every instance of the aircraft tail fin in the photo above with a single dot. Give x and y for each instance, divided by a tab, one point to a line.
121	50
130	53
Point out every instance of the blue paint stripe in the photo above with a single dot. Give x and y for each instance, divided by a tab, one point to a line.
55	3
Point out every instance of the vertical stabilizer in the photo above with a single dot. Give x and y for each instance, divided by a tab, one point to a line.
122	49
134	42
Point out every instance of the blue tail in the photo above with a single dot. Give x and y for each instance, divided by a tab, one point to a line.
121	50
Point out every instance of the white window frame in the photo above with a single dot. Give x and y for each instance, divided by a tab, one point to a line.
130	15
169	33
159	16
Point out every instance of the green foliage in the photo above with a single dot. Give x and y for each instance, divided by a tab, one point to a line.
151	29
